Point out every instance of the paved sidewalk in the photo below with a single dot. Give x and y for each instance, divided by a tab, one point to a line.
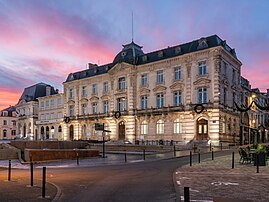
216	179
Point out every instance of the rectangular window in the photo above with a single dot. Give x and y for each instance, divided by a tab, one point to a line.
233	76
5	122
160	100
60	115
177	98
144	80
106	106
94	89
42	104
177	73
4	133
122	104
160	76
59	101
202	95
13	132
202	68
84	109
144	102
224	96
71	93
84	91
47	103
52	103
14	123
105	87
144	128
122	83
71	110
47	116
94	108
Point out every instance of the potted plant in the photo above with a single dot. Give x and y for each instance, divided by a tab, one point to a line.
261	154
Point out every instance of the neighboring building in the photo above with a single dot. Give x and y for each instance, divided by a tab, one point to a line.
8	123
50	117
182	93
254	122
27	109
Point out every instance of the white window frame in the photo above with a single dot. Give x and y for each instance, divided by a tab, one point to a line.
160	76
106	107
160	127
177	72
94	108
144	128
94	89
144	102
202	68
105	87
177	126
177	98
122	83
84	108
160	100
144	79
202	95
84	91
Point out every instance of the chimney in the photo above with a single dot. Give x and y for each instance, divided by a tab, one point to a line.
48	89
90	65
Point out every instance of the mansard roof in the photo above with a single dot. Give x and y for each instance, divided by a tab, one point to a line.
9	110
33	92
133	54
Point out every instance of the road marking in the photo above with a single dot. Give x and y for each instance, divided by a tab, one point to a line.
196	200
224	183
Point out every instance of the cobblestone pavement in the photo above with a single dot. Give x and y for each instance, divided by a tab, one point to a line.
213	179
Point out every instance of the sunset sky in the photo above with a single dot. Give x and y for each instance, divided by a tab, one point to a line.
45	40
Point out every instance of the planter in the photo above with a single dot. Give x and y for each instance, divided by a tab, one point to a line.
262	159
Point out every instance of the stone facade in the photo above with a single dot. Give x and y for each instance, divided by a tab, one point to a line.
8	124
167	94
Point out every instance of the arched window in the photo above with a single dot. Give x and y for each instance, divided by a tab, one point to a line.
160	127
59	129
144	128
4	133
177	126
52	132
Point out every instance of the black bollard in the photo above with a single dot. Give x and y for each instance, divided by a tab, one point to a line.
257	162
190	158
77	159
125	157
9	170
233	160
103	147
212	154
186	194
210	146
44	183
32	173
144	154
221	146
175	150
199	157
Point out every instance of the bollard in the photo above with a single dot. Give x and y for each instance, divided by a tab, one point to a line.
257	162
9	170
103	147
210	146
212	154
186	194
44	183
233	160
199	157
32	173
77	159
144	154
190	158
221	146
175	150
125	156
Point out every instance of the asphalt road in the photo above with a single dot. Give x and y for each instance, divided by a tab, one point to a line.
143	181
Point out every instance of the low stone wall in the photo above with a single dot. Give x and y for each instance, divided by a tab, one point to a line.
48	144
36	155
7	152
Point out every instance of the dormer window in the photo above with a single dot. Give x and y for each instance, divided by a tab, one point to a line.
123	54
178	50
144	58
160	54
202	43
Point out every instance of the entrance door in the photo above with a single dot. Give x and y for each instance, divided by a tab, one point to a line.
202	129
121	131
71	132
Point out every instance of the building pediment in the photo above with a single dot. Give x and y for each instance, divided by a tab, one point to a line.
202	81
94	98
177	85
71	102
84	99
119	67
144	91
105	97
159	88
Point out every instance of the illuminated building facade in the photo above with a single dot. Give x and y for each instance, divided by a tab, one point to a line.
8	123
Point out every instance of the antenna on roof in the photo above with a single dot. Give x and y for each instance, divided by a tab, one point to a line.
132	26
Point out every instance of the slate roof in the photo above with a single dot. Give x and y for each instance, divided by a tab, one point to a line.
9	110
133	54
31	93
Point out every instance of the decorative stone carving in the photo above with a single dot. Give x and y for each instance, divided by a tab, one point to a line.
159	88
189	70
94	98
202	82
177	86
144	91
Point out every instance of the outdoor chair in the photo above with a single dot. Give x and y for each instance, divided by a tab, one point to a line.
244	156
